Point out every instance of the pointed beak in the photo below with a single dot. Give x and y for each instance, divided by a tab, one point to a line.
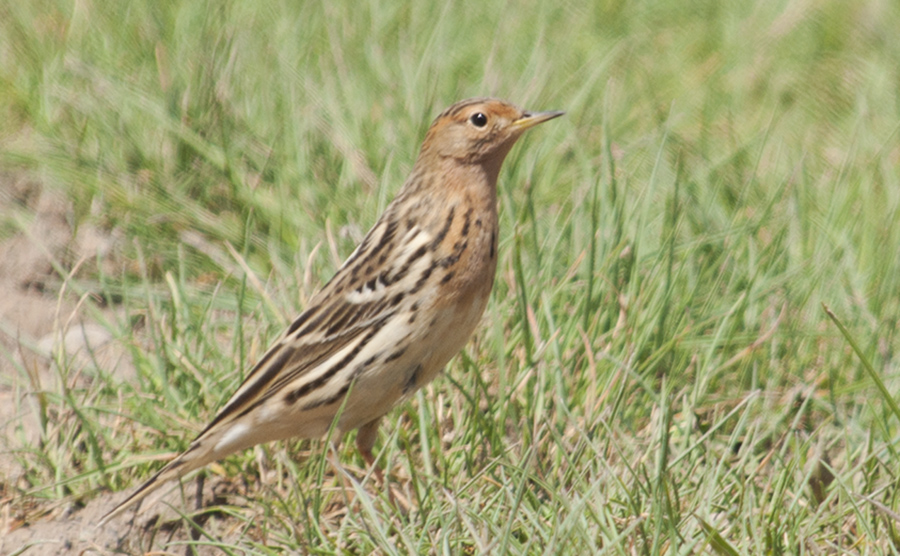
531	119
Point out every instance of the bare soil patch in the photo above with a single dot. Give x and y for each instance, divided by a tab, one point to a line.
45	321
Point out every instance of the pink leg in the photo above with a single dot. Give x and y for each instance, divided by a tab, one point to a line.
365	441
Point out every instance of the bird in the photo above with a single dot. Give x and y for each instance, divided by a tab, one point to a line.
405	301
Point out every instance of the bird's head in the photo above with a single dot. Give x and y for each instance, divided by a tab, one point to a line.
480	130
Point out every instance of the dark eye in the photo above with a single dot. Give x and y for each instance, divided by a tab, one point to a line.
478	119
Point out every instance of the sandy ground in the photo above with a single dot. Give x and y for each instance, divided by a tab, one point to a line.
40	315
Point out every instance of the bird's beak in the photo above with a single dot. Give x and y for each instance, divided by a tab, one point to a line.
531	119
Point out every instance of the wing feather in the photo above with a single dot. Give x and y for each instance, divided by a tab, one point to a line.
361	297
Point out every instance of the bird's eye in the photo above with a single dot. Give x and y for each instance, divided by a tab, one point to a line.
478	119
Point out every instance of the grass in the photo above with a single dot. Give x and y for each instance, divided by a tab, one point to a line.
655	372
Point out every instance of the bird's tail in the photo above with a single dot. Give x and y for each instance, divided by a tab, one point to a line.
186	462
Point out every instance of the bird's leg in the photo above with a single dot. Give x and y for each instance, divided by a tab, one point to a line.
365	441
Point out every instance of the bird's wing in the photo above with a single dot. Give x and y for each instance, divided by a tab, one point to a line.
365	293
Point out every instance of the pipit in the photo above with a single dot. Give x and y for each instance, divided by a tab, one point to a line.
404	302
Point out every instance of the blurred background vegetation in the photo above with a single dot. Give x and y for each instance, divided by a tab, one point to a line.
656	371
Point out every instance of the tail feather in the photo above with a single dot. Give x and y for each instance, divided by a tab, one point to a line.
213	444
183	464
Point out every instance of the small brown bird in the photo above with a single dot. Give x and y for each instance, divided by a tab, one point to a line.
397	310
